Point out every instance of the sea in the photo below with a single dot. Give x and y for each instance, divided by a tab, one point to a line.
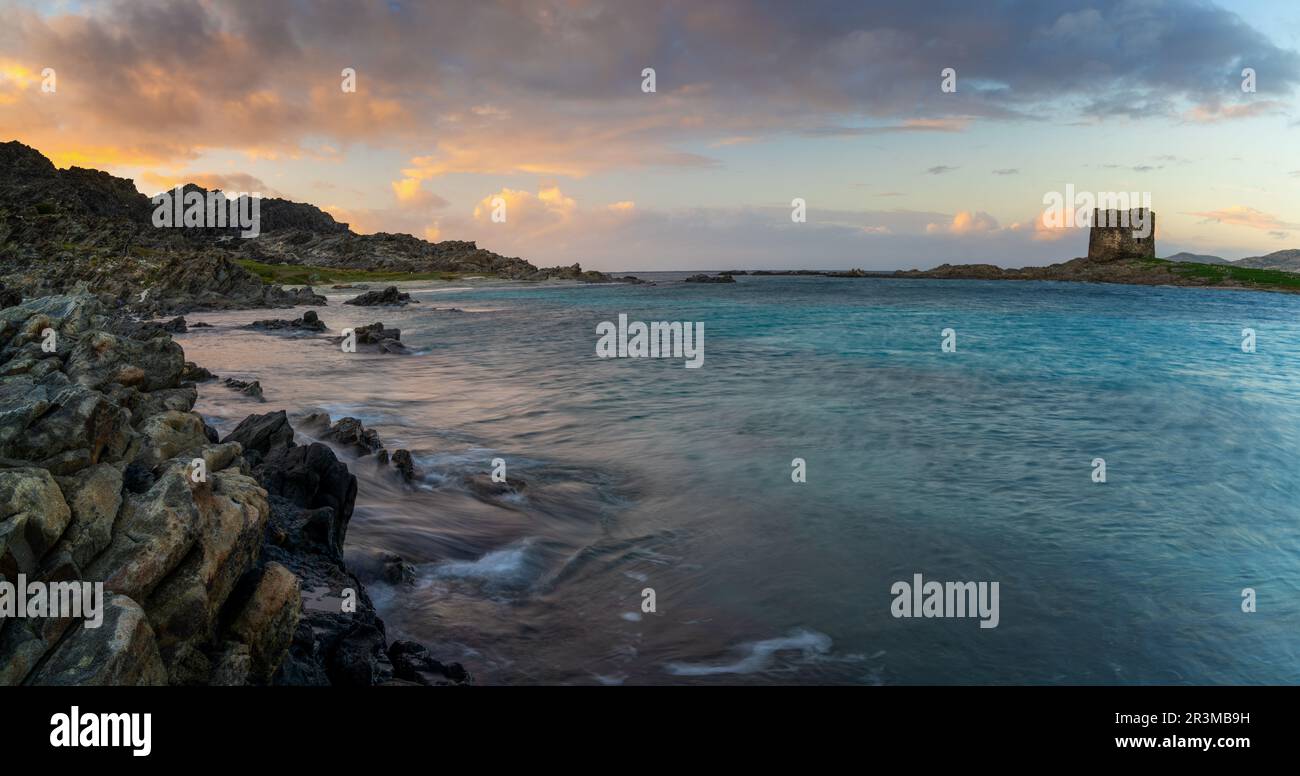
1123	461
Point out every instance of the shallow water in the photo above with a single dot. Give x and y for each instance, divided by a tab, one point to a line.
973	465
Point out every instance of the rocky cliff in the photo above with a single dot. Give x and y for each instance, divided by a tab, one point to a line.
220	559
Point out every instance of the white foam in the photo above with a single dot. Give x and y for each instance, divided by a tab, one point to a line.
502	565
758	655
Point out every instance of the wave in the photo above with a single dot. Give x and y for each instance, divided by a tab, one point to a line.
758	656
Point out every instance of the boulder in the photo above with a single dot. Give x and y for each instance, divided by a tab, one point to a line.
33	515
122	651
413	663
269	619
100	358
94	496
262	434
185	605
153	534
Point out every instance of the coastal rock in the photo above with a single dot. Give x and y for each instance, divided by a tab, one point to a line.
194	373
101	358
310	476
234	666
710	279
154	532
71	427
373	565
146	404
269	619
404	464
261	434
94	496
377	337
204	573
413	663
122	651
185	606
309	321
351	433
170	434
252	389
388	297
33	515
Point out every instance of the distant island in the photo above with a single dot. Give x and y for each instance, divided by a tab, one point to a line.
1114	256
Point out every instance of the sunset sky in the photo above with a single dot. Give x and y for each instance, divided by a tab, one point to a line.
757	103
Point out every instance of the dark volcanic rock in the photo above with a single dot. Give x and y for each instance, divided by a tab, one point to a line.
262	434
377	338
389	296
309	321
253	389
412	662
351	433
404	464
710	279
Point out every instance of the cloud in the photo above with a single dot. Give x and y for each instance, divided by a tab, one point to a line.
1213	113
941	169
1007	171
410	194
966	222
553	87
1249	217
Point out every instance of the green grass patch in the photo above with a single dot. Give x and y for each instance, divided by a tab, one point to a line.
1217	273
305	275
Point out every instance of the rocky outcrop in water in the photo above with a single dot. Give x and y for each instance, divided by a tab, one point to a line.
388	297
249	388
220	560
376	337
710	279
350	434
309	321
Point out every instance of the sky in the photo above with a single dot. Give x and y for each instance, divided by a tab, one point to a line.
543	105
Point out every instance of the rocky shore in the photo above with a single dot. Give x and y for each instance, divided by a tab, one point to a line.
221	559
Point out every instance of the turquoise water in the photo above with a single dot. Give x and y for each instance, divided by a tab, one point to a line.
974	465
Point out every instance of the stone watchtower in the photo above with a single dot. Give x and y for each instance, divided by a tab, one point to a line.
1120	234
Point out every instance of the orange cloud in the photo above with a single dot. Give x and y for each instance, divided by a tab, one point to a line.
966	222
1249	217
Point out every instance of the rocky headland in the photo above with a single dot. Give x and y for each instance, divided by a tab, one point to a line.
61	228
221	559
